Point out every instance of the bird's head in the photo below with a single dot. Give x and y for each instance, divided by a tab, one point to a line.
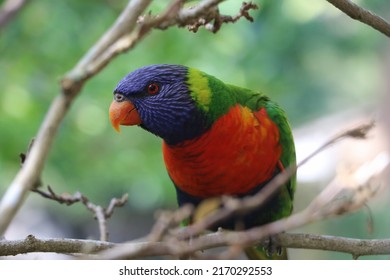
162	99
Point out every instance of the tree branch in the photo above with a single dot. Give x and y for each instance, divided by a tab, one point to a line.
101	213
352	246
355	247
32	244
358	13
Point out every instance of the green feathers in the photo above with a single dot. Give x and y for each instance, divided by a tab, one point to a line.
211	95
215	98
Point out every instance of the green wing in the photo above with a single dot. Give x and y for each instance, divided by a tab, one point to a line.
286	140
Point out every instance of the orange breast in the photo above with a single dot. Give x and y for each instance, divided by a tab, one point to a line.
238	153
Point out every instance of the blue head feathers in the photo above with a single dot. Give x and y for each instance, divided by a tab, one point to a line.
161	96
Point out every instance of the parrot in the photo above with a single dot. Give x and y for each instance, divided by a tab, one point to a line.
218	140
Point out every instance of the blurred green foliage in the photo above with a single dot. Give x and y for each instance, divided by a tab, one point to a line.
306	55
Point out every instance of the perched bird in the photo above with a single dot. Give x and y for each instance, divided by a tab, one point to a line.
218	139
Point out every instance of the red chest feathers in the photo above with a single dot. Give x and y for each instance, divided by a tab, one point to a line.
238	153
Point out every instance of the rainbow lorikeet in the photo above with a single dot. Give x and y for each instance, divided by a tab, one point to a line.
218	139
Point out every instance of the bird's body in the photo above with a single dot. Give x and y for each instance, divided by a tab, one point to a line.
218	139
235	142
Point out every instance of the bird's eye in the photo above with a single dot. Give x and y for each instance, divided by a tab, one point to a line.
153	88
119	97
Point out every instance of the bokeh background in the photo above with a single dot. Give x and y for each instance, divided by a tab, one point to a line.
324	69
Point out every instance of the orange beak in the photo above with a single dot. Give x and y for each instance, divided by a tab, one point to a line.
123	113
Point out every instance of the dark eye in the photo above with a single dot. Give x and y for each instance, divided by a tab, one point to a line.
153	88
119	97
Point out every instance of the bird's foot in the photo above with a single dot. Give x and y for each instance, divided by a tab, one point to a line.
271	249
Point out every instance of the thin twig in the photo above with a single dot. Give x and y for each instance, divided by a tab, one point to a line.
198	16
101	214
115	203
64	198
219	19
166	220
358	13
